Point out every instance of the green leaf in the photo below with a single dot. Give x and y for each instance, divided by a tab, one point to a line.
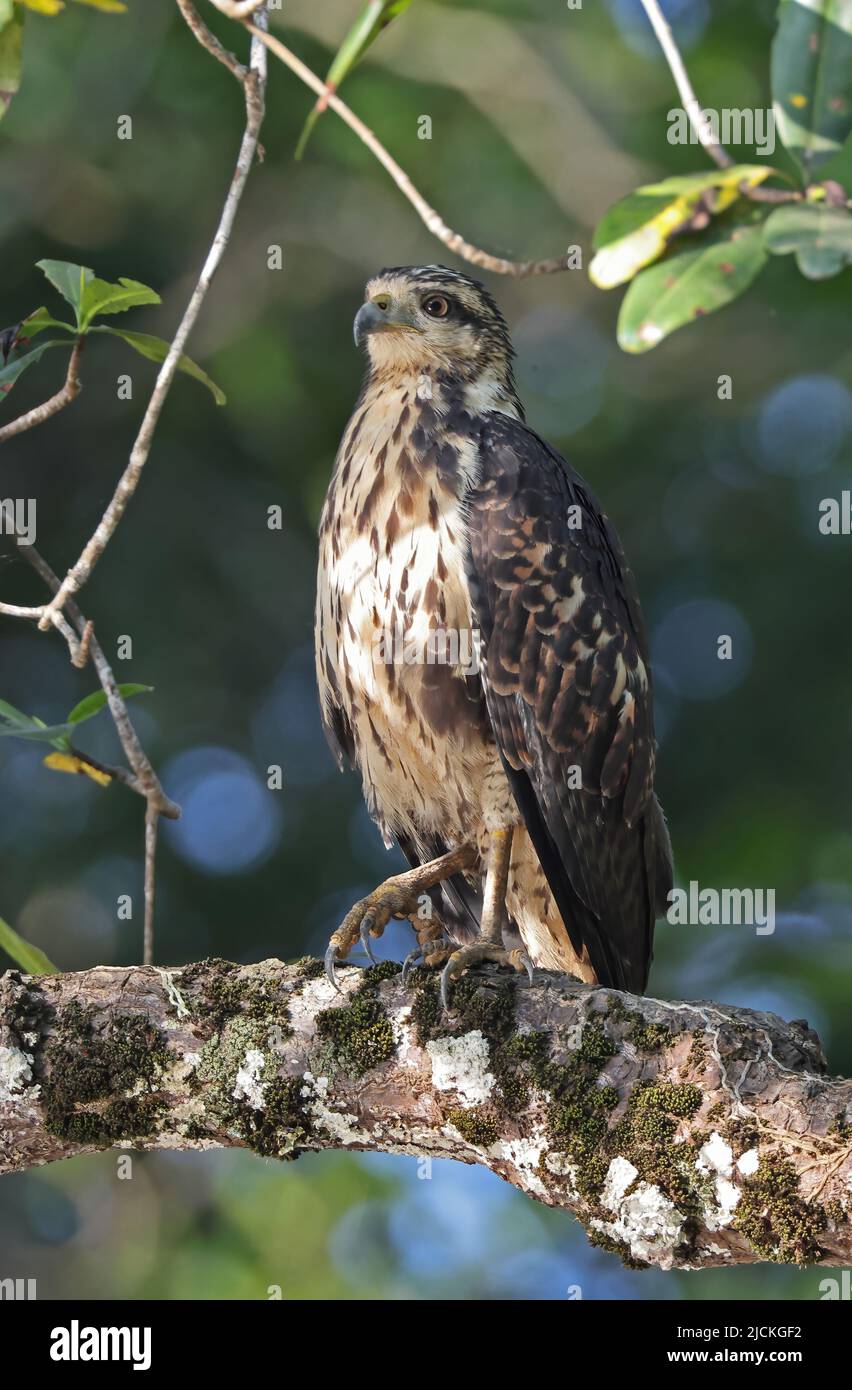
101	297
155	349
15	724
69	279
691	283
14	716
30	958
38	320
11	49
36	731
812	78
375	17
820	236
637	230
95	702
18	364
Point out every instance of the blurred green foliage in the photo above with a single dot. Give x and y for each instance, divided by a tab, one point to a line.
542	118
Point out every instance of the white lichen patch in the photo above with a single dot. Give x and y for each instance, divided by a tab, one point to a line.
16	1071
316	995
715	1156
648	1223
343	1128
716	1160
727	1197
621	1174
748	1163
525	1157
461	1065
403	1036
249	1086
560	1165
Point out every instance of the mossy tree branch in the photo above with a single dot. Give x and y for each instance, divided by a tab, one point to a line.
681	1135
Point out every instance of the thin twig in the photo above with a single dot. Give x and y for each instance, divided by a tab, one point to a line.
146	782
118	774
210	42
253	83
84	645
756	193
691	104
452	240
63	397
80	658
152	820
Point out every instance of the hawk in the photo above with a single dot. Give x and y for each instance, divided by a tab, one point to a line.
482	659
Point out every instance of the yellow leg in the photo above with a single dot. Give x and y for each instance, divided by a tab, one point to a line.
489	944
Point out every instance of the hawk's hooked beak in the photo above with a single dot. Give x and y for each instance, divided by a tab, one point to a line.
376	317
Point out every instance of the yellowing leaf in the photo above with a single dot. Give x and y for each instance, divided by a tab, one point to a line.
620	261
637	230
66	762
43	6
106	6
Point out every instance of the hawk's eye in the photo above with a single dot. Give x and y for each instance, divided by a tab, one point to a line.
436	306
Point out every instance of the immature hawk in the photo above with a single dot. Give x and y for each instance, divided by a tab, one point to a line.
482	659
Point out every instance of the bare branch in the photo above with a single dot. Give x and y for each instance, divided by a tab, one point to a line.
253	81
84	645
452	240
210	42
680	1135
152	820
118	774
146	782
63	397
691	104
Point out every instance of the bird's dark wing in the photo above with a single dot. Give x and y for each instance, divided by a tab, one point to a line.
565	672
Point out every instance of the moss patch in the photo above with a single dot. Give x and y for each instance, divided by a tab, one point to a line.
478	1126
219	991
359	1034
651	1037
89	1063
775	1219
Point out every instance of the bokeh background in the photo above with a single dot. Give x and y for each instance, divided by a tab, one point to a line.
542	116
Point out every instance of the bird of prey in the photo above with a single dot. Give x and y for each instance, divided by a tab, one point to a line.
482	659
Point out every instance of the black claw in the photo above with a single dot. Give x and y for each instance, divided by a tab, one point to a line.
445	980
365	939
412	956
330	961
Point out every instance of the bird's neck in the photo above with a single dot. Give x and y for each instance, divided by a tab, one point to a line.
449	390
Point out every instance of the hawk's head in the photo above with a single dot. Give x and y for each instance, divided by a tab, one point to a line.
430	318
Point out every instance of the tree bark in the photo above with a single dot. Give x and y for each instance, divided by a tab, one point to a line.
680	1134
